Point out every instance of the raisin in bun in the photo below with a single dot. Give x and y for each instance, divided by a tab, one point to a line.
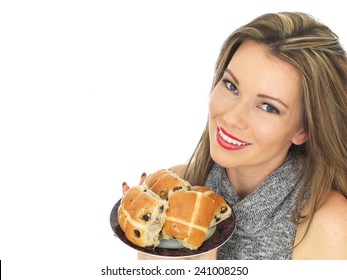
163	181
141	216
222	210
188	217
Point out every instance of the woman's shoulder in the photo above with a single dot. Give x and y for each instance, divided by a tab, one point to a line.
331	217
326	237
335	206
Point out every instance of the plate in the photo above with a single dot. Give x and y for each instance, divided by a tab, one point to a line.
223	231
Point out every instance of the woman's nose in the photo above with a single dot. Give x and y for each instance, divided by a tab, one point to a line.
236	116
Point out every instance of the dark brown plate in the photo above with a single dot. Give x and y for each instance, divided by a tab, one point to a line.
223	232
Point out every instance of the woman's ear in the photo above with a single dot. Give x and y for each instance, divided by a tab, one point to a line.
300	138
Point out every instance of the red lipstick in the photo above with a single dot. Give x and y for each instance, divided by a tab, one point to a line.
228	141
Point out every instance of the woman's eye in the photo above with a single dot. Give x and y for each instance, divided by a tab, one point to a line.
269	108
230	86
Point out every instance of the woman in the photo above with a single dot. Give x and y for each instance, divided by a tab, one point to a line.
275	142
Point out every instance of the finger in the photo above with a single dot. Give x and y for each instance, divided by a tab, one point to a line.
143	178
125	187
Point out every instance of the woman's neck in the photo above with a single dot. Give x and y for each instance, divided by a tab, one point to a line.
244	184
247	180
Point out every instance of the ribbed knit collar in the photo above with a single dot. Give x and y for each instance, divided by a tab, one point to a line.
255	210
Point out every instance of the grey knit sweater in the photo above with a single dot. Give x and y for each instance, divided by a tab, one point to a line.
263	219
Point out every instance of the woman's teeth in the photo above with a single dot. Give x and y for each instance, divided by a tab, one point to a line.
230	140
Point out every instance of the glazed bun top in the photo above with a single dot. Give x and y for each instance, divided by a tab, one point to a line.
141	216
163	181
188	217
222	210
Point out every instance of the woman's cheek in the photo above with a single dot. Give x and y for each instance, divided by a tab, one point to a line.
215	106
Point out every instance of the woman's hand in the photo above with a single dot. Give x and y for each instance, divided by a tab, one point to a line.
125	186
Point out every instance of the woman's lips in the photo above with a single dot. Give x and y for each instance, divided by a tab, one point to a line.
228	141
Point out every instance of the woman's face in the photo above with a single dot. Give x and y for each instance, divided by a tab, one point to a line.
255	111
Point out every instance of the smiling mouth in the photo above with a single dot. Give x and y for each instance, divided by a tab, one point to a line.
228	141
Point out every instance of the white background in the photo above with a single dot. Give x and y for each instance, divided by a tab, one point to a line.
93	93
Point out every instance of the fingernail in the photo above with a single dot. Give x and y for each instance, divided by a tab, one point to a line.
143	174
124	183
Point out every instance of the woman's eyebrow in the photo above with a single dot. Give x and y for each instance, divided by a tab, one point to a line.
273	98
232	75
